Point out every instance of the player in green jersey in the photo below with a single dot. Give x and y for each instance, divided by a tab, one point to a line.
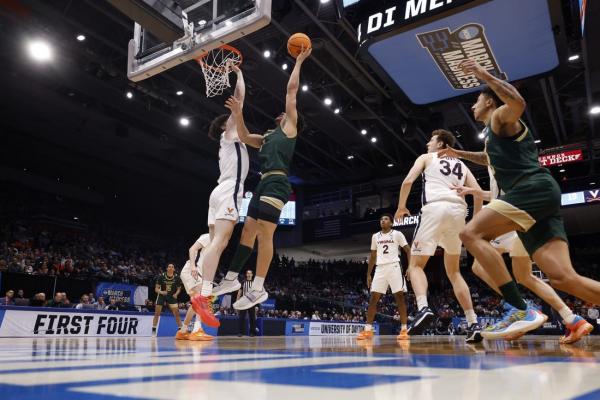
530	205
167	288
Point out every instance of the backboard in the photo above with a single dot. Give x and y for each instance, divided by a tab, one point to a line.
170	32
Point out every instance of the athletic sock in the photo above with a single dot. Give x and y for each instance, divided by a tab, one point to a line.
207	287
258	283
567	315
368	327
471	317
242	253
511	295
231	275
403	327
422	302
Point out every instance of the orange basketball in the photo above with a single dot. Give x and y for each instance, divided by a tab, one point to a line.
296	42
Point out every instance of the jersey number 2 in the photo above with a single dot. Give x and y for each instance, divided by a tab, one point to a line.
385	249
457	170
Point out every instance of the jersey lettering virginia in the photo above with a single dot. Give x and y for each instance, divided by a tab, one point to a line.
439	178
387	245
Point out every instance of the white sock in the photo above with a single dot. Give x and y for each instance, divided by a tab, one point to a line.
231	275
567	315
471	317
422	302
258	283
404	327
368	327
183	328
207	287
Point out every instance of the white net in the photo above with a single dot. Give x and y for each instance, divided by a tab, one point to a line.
216	66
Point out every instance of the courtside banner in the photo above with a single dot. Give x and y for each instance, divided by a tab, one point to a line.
564	157
332	328
122	293
48	322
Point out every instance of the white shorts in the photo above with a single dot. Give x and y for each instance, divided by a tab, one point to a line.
439	225
510	243
388	275
188	280
225	201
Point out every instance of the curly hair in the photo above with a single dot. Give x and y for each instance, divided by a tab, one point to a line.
215	129
445	137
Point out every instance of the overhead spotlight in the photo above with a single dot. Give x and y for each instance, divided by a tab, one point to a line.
373	139
202	22
284	66
267	54
75	218
562	170
179	92
81	38
595	110
481	135
363	132
592	183
390	165
327	101
40	51
183	121
304	88
350	157
336	111
574	57
324	1
129	95
537	141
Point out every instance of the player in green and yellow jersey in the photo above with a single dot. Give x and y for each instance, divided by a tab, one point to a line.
271	194
530	205
167	288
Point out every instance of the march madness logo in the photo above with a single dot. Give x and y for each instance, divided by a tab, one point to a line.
449	49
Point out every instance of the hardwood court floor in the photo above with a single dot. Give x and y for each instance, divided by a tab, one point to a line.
298	368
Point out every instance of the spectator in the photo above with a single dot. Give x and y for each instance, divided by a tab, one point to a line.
100	304
20	294
57	301
84	302
39	300
112	305
92	298
8	299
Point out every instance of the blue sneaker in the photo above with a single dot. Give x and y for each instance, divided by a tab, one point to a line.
514	323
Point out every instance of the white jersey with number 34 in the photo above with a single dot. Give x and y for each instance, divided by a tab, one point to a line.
439	178
387	245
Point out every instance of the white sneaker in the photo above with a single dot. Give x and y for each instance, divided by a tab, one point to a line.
226	286
250	299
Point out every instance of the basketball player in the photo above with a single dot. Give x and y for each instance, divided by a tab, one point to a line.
388	273
271	194
530	205
225	199
443	215
522	270
191	277
167	288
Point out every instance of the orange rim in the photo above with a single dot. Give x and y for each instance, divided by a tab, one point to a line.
200	59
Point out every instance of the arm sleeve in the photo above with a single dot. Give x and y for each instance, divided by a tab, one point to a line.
373	243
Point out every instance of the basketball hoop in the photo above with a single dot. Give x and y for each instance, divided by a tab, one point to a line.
216	69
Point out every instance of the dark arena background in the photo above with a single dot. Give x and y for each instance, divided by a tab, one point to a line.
107	170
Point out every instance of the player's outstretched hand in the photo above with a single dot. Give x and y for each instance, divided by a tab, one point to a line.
447	152
232	67
401	213
472	67
304	54
466	191
234	105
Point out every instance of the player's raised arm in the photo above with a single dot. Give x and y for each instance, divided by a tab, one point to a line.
413	174
472	183
240	95
290	127
477	157
514	104
245	136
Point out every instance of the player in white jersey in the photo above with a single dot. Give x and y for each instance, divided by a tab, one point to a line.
388	273
522	268
192	282
225	199
442	217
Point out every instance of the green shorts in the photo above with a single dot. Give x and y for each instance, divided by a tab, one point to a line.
534	204
274	190
169	299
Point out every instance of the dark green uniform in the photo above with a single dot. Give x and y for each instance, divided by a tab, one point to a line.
170	285
275	158
531	195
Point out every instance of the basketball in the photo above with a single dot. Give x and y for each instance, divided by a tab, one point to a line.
297	42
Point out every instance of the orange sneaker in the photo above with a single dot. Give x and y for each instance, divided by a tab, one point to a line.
200	336
203	306
182	335
365	335
575	331
403	335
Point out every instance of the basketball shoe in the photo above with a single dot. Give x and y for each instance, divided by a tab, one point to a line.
250	299
200	336
365	335
203	306
226	286
403	335
576	330
515	322
422	320
182	335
